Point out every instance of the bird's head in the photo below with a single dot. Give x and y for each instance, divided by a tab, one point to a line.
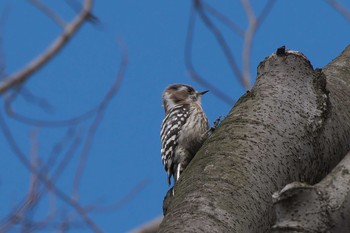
177	94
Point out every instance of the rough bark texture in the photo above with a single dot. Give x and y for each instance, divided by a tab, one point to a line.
290	127
324	207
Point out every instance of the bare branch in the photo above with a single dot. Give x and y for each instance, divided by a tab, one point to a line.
76	6
253	25
265	12
33	99
190	68
248	39
43	178
30	203
52	50
229	23
3	17
41	173
98	118
223	44
254	22
17	215
56	18
8	100
340	8
150	227
67	158
125	200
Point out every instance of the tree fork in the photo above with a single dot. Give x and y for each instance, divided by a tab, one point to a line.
293	125
323	207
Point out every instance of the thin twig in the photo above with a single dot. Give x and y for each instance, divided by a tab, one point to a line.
67	157
98	118
50	186
56	150
52	50
3	17
253	25
76	6
151	226
122	202
56	18
30	202
265	12
248	39
46	123
42	103
223	44
228	22
32	197
190	68
340	8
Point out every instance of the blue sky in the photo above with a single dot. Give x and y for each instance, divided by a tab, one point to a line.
126	148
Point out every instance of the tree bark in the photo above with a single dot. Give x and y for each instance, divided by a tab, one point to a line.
324	207
294	125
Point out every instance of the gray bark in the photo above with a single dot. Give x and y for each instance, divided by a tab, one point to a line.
324	207
294	125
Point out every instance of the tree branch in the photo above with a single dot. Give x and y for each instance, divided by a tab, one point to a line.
340	8
98	118
52	50
324	207
292	126
190	67
150	227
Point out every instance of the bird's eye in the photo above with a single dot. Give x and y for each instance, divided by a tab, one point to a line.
190	90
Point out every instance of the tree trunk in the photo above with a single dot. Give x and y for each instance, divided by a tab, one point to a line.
294	125
324	207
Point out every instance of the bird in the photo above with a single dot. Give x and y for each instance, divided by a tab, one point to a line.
184	128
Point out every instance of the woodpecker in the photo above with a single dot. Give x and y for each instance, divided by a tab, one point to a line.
184	129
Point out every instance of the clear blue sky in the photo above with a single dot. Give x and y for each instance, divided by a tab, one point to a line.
126	149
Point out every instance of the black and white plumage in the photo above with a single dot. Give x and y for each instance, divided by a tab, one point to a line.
184	128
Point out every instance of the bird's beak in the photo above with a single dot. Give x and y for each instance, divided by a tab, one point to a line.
203	92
